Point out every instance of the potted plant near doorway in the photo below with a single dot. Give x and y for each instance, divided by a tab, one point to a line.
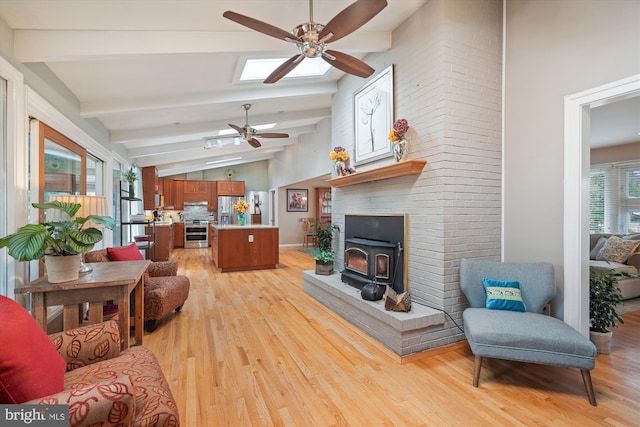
604	295
60	243
324	258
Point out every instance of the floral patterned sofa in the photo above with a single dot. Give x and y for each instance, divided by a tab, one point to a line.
83	368
105	386
164	290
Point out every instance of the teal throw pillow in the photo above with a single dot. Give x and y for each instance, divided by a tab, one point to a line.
503	295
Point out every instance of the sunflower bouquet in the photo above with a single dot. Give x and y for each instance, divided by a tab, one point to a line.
241	206
339	154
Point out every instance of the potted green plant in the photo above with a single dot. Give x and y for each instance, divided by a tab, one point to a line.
59	242
131	177
324	258
604	295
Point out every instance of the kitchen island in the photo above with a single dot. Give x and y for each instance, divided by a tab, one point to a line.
244	247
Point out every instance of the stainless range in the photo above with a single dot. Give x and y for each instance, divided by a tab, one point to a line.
196	234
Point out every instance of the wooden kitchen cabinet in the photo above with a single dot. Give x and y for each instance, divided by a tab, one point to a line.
176	192
164	235
196	186
197	191
213	244
230	188
150	187
178	235
169	193
244	248
178	198
213	194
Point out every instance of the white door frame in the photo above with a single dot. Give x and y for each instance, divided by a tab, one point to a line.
577	109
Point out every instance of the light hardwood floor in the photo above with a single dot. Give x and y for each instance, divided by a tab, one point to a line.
252	349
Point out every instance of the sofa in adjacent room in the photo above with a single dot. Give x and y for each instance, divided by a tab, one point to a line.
164	290
622	254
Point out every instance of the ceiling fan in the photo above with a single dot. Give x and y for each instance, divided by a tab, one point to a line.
249	133
311	37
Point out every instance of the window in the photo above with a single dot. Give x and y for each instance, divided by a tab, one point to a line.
95	174
596	202
631	200
614	196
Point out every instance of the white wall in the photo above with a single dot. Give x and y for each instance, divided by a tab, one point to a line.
616	153
307	160
447	60
553	49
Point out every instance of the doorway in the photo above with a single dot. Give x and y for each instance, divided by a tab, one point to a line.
577	109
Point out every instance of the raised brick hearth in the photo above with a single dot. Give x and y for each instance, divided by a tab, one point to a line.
403	333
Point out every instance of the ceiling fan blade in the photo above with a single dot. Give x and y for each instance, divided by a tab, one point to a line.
237	129
351	18
254	142
272	135
347	63
260	26
285	68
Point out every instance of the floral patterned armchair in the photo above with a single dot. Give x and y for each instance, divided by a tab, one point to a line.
164	290
107	387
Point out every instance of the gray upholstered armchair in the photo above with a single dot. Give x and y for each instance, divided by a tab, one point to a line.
526	335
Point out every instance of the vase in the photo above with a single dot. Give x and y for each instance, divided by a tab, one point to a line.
602	341
62	268
400	150
241	218
339	167
132	190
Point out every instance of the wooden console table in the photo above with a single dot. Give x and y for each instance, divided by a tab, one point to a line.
108	281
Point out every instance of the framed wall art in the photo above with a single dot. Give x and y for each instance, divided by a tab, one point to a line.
373	108
297	200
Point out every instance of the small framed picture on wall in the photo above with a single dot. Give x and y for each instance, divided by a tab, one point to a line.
297	200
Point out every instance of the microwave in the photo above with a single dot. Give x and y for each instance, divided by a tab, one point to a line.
159	201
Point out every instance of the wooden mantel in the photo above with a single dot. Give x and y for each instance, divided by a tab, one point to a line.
394	170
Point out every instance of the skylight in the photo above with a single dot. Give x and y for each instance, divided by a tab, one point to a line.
259	69
256	127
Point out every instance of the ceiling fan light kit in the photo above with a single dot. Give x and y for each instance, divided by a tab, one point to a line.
311	37
248	133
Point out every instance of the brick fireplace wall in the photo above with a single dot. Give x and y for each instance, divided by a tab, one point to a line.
448	67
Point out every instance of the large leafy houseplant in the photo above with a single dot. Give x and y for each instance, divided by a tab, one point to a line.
62	238
324	258
325	234
604	295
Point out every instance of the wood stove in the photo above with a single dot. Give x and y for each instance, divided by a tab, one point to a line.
367	260
374	251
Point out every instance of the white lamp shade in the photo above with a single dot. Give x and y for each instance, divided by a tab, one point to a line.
90	205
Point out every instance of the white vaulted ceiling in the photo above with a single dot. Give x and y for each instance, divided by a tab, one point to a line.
163	74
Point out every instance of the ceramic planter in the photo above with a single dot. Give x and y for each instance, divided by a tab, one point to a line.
602	341
62	268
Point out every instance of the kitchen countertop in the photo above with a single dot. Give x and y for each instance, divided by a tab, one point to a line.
239	227
163	223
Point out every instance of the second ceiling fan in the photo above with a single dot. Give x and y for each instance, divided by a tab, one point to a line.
248	133
311	37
